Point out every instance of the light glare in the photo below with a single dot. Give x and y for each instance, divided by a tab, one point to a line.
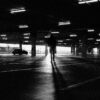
26	41
4	38
60	40
26	34
97	40
90	30
73	35
17	10
26	37
23	26
86	1
55	32
3	35
64	23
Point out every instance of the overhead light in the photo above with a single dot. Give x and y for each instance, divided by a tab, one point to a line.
47	36
73	35
64	23
91	1
26	37
17	10
90	38
68	39
3	35
60	40
86	1
99	34
90	30
25	34
98	40
23	26
56	32
4	38
26	41
81	2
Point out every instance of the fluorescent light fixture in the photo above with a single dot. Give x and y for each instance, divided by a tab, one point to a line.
99	34
64	23
87	1
3	35
25	34
68	39
4	38
26	41
90	38
56	32
47	36
98	40
26	37
73	35
23	26
91	1
17	10
81	2
60	40
90	30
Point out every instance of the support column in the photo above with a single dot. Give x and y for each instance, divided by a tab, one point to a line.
98	48
98	51
73	49
33	49
20	44
84	47
46	50
77	50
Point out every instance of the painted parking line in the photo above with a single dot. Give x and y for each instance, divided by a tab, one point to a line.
80	84
16	70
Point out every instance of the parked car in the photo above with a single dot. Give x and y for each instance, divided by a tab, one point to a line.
19	51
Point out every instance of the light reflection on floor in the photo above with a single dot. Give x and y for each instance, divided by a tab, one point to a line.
46	65
45	89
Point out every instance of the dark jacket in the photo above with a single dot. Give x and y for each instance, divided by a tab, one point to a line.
52	41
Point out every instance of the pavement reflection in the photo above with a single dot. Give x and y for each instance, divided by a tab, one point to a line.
66	78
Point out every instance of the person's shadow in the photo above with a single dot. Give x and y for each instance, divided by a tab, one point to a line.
58	77
60	84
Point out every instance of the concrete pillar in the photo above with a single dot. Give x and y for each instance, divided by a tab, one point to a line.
98	51
84	47
33	49
46	50
77	50
20	44
73	49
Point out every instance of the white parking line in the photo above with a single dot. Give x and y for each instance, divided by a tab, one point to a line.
80	84
27	69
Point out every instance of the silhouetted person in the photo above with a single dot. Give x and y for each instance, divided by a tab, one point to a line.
52	44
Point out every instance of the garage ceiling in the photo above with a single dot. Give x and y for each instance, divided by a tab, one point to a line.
44	15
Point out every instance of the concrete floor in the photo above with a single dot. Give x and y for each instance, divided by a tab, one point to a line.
66	78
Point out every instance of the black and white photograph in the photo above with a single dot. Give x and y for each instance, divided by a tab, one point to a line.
49	49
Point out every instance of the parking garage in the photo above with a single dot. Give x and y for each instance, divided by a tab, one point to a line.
27	25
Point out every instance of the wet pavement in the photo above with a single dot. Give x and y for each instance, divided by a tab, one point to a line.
39	78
